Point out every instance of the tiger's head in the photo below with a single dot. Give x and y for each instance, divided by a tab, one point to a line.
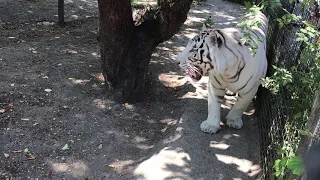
195	59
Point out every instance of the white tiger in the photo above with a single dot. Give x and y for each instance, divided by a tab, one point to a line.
230	65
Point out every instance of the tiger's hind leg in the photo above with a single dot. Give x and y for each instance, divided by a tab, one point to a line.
215	98
234	117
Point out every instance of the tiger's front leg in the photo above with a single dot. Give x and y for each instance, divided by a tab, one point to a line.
234	118
215	98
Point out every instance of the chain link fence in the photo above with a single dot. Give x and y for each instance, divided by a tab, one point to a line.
276	113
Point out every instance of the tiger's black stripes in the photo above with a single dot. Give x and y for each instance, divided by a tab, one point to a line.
217	87
210	65
249	90
201	54
235	64
217	80
235	78
236	38
222	78
220	99
208	56
238	74
245	83
224	41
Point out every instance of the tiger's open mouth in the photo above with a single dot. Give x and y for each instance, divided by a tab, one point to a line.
194	72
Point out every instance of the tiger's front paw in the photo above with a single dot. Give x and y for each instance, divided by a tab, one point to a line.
234	122
209	127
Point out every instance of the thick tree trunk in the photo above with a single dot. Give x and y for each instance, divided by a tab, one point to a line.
126	49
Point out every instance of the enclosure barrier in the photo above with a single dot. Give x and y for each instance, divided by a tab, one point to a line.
275	113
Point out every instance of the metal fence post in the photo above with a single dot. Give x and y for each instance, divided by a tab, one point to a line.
61	12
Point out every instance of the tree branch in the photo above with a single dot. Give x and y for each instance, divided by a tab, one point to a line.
165	20
171	15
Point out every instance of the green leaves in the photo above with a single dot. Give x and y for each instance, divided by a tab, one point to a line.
255	9
280	78
287	19
164	129
65	147
305	133
279	167
247	25
209	21
305	3
247	5
295	165
272	3
306	34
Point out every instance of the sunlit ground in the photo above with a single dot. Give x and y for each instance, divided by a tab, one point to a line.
77	169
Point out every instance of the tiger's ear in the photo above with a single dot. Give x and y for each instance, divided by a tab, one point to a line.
206	26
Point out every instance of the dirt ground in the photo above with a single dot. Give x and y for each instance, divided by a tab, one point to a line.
55	120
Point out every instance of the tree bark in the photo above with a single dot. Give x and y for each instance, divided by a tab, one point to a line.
126	48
